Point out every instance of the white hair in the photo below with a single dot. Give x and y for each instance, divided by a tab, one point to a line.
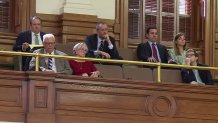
80	46
99	24
47	36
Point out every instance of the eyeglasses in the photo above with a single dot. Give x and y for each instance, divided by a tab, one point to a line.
49	43
83	50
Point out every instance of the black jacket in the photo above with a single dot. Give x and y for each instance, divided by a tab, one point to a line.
144	51
22	38
92	44
25	37
205	75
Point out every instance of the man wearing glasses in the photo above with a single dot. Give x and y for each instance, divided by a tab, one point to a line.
50	64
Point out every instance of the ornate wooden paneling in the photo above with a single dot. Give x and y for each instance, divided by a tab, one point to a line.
211	30
23	11
41	98
13	96
51	24
216	40
7	41
36	97
100	100
74	27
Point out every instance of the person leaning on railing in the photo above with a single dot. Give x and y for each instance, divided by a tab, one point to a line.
80	67
179	49
50	64
193	76
101	45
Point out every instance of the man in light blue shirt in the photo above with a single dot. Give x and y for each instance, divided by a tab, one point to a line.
200	77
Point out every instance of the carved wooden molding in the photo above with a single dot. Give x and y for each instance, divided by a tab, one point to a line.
52	98
161	105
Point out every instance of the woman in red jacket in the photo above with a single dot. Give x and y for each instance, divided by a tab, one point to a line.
80	67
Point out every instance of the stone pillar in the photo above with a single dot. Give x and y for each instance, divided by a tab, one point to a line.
78	7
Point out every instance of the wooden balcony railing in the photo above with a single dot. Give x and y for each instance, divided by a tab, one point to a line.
158	65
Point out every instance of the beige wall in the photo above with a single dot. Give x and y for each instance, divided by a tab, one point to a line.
104	9
49	6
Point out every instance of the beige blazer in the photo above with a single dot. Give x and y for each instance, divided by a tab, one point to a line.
62	65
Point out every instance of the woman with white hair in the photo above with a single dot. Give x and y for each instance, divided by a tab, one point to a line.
80	67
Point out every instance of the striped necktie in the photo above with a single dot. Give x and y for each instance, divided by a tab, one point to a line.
101	47
50	63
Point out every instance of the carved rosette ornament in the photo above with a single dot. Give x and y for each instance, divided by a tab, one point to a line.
161	105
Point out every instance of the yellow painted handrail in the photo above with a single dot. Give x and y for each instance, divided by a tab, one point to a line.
159	65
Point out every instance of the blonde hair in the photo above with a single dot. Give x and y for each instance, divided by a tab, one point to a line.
78	46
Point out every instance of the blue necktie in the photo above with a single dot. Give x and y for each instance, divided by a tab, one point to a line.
50	64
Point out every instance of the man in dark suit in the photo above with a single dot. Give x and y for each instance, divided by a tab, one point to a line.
101	45
32	36
50	64
151	51
193	76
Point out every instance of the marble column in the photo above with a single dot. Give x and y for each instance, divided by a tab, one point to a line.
78	7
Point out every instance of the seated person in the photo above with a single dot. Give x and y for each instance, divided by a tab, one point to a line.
50	64
82	68
179	50
194	76
152	51
101	45
33	36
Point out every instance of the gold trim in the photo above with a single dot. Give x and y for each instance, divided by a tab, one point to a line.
37	62
159	73
159	65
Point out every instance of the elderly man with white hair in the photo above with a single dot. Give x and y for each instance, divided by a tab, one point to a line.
50	64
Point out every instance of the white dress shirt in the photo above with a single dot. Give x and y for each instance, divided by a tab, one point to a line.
99	43
197	76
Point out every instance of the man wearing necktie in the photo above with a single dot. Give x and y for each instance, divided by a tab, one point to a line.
101	45
36	39
32	36
151	51
49	64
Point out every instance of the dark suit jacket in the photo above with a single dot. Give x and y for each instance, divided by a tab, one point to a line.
22	38
205	75
92	43
62	65
144	51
